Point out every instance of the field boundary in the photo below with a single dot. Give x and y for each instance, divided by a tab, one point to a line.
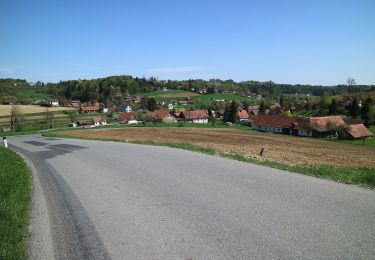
364	177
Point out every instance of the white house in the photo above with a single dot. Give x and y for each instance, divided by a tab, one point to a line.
53	103
98	121
128	109
197	116
170	106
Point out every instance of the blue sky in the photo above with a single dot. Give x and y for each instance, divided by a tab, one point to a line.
305	41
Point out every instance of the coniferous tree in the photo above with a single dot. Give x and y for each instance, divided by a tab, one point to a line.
365	109
281	101
262	108
333	107
152	104
233	111
354	108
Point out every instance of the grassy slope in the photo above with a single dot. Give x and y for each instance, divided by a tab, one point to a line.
14	204
361	176
207	98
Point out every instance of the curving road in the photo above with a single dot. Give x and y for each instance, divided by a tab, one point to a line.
107	200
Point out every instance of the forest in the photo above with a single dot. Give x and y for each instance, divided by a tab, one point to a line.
111	90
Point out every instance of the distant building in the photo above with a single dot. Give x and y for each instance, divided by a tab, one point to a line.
196	116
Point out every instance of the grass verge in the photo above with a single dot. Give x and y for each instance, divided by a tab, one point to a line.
361	176
15	200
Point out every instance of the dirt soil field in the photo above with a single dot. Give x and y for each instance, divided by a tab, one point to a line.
281	148
175	95
29	109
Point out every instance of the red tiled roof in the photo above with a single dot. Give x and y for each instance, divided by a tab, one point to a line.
125	117
322	121
97	119
242	114
274	121
160	114
89	108
196	114
358	131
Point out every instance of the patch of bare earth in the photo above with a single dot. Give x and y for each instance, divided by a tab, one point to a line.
281	148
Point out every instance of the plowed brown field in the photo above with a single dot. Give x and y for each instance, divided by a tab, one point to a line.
287	149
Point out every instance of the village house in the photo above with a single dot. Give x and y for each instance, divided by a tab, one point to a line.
165	116
325	125
353	132
196	116
127	118
89	108
242	115
75	103
273	123
99	121
95	121
253	111
313	126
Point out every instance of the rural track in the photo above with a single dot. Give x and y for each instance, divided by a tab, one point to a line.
108	200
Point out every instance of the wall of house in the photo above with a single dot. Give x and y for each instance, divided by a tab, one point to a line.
304	133
200	121
267	128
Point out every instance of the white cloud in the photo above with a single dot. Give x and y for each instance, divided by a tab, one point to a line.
172	70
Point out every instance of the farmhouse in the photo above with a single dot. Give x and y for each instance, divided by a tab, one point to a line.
242	115
197	116
89	109
99	121
326	125
127	118
164	116
352	132
274	123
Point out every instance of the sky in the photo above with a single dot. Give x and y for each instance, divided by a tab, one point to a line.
318	42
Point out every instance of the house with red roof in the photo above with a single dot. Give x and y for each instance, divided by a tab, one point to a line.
353	132
196	116
242	115
165	116
127	118
273	123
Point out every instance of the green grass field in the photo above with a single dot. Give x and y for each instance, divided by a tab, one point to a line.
15	200
207	98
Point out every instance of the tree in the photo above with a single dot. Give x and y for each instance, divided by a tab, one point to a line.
211	116
372	114
246	103
354	108
333	107
332	127
351	83
262	108
233	112
16	118
49	118
152	104
226	113
281	101
72	115
365	109
143	116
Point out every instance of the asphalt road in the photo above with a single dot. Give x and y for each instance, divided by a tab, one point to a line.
107	200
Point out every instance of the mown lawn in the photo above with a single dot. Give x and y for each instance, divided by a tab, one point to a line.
15	200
